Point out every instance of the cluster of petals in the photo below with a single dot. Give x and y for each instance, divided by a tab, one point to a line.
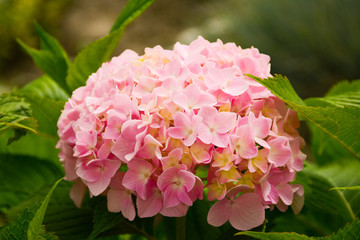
143	125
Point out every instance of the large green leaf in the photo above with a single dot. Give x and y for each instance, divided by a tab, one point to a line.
24	180
46	111
349	232
319	197
51	58
32	145
99	51
15	113
29	224
45	87
327	149
340	121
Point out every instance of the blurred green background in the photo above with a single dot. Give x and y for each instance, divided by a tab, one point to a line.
314	42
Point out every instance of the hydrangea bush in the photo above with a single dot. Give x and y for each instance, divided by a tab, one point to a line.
202	131
143	125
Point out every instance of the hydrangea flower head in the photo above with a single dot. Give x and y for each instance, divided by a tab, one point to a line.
164	114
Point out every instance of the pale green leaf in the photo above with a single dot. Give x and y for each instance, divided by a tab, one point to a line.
45	87
342	123
51	58
346	188
35	225
15	113
344	87
99	51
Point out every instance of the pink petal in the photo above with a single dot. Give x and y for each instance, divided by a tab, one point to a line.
111	167
236	87
189	179
96	188
247	212
128	208
197	191
90	174
285	193
177	211
166	178
219	213
208	114
269	192
204	133
149	207
184	197
170	197
220	140
153	203
280	152
128	143
114	199
77	193
181	120
177	132
225	121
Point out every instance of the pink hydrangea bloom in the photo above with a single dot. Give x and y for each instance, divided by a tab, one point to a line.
168	112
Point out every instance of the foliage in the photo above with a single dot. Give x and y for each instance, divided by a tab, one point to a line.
30	168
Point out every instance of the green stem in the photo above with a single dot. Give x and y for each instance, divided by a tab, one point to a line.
181	228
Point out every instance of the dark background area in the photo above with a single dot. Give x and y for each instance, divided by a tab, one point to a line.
316	43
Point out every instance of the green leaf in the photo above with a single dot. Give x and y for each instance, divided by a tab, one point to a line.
342	123
99	51
64	218
35	225
344	87
275	236
45	87
46	111
15	113
51	58
130	12
104	220
349	232
31	145
344	173
326	149
29	224
24	180
17	230
346	188
318	196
